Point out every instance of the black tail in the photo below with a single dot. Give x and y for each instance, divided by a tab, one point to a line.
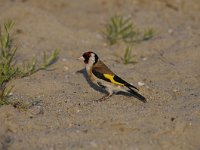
130	86
118	79
137	95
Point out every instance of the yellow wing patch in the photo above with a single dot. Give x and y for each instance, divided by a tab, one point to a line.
111	78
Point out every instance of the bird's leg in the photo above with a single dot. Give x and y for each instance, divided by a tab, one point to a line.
105	97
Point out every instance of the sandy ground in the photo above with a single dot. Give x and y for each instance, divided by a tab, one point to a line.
66	117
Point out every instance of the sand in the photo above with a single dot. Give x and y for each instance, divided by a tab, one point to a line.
64	114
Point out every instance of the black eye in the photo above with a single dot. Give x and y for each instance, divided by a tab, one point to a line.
86	56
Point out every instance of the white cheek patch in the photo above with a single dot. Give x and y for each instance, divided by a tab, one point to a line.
92	59
90	62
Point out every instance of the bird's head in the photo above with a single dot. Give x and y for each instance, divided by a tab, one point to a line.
89	58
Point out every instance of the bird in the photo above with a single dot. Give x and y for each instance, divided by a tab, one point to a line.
102	76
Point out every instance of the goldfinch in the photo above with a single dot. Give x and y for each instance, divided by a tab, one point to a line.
101	75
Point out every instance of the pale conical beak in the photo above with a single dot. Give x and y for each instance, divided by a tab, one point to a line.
81	58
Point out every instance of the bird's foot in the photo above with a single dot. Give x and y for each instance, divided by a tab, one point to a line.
105	97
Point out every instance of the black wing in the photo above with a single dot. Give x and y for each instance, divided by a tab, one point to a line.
118	79
100	75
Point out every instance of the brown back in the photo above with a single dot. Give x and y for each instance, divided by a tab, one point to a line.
102	68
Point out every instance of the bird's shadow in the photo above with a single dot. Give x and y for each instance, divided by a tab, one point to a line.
92	85
129	95
124	93
99	89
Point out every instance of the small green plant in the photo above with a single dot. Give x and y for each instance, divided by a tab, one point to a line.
128	57
119	28
149	33
9	69
31	67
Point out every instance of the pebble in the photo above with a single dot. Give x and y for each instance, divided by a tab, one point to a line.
64	59
66	68
93	144
170	31
144	58
10	94
141	83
